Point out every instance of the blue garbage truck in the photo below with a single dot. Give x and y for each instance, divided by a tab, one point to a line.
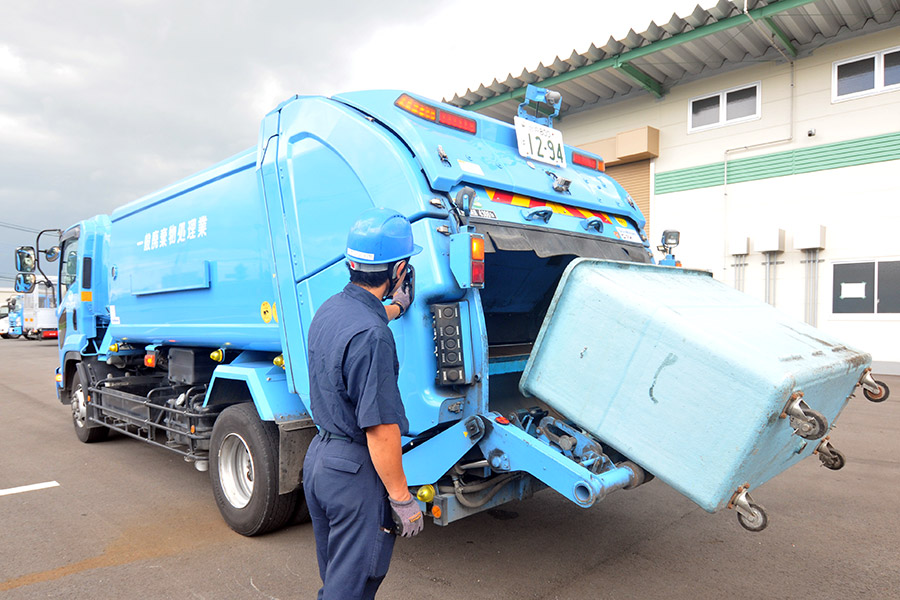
183	318
13	317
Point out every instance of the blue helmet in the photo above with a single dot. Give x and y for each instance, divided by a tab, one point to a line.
380	236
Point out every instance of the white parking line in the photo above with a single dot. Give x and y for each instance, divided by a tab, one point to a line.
29	488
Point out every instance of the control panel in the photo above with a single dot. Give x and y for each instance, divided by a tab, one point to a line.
448	344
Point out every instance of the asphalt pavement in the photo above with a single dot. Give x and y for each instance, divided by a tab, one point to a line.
122	519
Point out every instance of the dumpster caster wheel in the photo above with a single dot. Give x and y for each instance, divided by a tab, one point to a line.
835	462
883	392
815	427
831	457
756	520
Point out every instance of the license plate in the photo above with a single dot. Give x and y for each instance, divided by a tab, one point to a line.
539	143
628	235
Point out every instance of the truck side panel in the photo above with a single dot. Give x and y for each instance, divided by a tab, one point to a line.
190	265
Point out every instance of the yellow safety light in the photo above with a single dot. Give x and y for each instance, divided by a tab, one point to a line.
59	378
114	347
278	361
217	355
425	493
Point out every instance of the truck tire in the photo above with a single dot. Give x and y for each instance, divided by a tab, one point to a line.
78	400
243	458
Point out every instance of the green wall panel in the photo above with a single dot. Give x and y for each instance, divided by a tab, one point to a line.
851	153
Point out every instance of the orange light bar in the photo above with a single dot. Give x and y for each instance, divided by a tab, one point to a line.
457	122
150	360
411	105
477	248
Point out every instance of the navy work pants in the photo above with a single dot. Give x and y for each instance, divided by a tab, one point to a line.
351	519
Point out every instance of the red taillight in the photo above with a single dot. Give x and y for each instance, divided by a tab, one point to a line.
431	113
150	360
587	161
477	273
584	161
457	122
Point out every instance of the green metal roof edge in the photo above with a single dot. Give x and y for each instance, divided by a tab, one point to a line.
849	153
618	60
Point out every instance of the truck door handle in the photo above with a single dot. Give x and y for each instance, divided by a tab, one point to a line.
539	212
594	223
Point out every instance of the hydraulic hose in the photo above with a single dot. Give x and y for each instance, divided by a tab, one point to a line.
460	490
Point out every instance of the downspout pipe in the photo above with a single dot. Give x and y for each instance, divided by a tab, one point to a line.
786	140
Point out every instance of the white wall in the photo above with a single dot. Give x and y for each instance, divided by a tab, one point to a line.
813	108
860	206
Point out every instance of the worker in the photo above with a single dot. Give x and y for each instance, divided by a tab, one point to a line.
353	475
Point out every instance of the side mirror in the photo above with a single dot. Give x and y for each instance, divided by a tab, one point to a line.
25	259
25	283
52	254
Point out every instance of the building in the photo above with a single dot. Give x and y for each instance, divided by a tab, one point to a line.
769	135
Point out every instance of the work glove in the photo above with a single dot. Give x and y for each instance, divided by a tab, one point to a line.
407	517
401	298
404	296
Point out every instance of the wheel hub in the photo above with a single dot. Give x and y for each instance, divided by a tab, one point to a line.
236	470
79	407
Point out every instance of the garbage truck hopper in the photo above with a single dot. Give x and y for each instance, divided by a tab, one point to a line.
710	390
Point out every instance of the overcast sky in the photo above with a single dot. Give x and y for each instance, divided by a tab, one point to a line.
102	102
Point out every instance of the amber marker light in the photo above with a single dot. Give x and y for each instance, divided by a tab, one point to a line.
436	512
114	347
59	378
413	106
150	360
477	248
425	493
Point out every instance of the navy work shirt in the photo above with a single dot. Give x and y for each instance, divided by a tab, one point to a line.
353	366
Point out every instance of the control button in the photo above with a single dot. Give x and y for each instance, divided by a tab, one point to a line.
447	312
453	357
451	344
449	330
453	375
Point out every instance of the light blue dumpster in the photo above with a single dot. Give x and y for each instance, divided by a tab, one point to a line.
712	391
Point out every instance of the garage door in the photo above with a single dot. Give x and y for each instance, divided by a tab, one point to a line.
635	178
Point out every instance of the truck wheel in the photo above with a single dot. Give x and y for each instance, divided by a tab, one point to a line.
78	397
243	457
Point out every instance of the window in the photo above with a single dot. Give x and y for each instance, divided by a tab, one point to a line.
865	75
68	265
866	288
724	108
